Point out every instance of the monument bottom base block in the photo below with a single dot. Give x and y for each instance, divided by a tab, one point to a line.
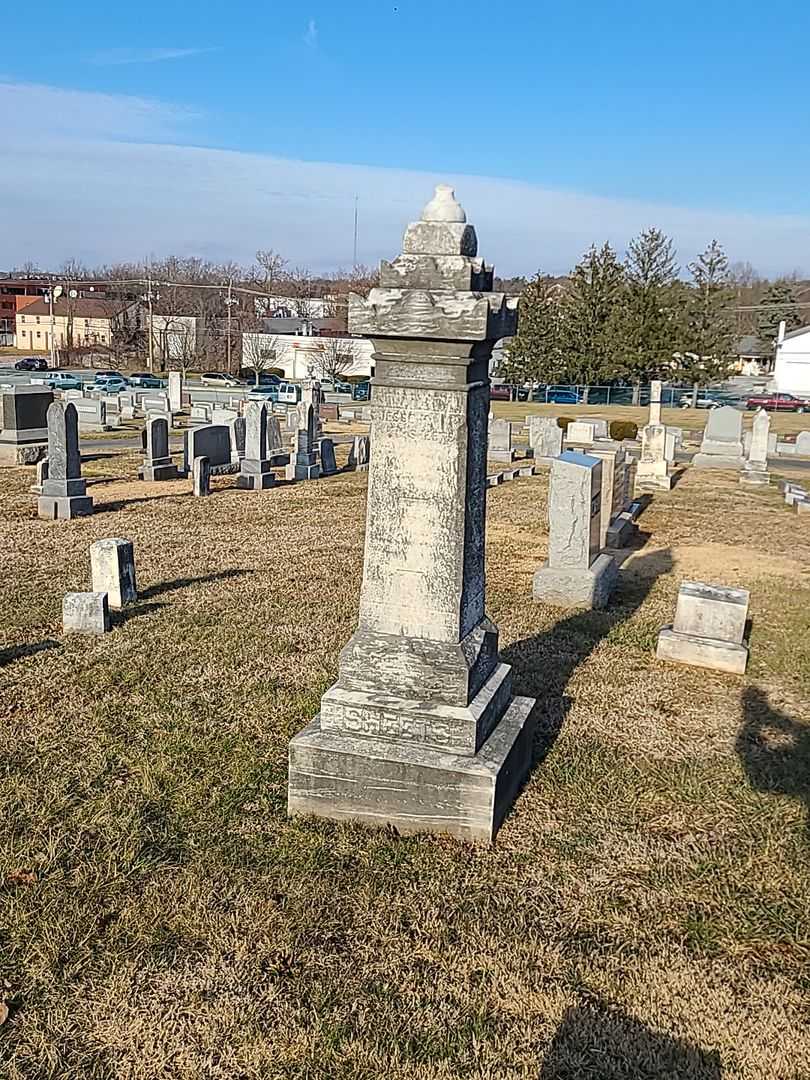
351	778
701	652
22	453
717	461
570	588
64	507
155	473
256	481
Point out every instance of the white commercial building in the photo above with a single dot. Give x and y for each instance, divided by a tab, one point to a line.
791	373
295	354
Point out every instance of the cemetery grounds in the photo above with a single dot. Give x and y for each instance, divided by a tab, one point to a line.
646	900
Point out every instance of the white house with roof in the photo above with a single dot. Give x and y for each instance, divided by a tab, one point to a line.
296	354
791	373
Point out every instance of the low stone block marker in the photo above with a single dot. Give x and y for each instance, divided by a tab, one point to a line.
201	476
576	574
112	566
85	613
709	628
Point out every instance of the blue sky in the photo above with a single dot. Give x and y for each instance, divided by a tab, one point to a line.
172	127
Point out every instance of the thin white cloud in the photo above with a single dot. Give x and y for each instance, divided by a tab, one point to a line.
108	57
311	34
122	195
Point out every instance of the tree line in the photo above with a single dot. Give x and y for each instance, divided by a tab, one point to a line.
632	320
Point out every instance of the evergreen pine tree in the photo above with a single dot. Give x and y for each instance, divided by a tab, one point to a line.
649	314
592	317
776	301
536	353
708	335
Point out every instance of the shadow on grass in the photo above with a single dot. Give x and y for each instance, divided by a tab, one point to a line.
542	666
132	611
121	504
599	1042
18	652
774	749
184	583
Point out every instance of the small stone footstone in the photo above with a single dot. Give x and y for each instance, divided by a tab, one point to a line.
576	574
112	566
85	613
201	476
709	628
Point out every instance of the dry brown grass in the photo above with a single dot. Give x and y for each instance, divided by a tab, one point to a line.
643	913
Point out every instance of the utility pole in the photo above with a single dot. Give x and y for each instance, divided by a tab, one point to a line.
150	333
354	259
228	302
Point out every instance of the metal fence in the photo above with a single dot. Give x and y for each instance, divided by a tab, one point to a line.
671	396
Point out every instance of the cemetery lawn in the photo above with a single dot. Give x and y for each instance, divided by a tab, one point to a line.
645	906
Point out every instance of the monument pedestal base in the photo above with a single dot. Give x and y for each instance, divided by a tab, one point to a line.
258	481
155	473
415	789
701	651
755	477
717	461
571	588
64	507
662	482
22	453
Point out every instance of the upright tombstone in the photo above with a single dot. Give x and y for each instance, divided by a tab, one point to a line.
64	493
655	401
500	441
91	414
328	462
201	412
617	524
275	442
157	462
577	573
581	432
24	424
360	453
237	433
304	458
175	391
255	471
421	730
653	466
212	441
803	444
112	566
201	476
722	441
756	472
86	613
545	437
709	628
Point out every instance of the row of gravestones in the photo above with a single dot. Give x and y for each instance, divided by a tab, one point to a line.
246	447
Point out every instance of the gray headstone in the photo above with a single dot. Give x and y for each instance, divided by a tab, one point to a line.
545	436
574	510
803	443
112	565
85	613
328	462
256	431
211	441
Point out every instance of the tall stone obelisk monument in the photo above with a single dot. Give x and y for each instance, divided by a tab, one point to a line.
421	729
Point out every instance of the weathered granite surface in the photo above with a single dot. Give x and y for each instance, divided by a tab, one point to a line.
709	628
85	613
421	730
112	566
721	447
64	492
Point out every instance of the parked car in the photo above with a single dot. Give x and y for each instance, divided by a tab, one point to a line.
286	393
31	363
146	380
499	392
706	399
555	396
264	392
778	403
59	380
114	386
361	391
219	378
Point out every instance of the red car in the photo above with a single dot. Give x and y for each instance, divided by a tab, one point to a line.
779	402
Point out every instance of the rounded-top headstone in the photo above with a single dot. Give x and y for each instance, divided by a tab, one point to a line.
444	206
